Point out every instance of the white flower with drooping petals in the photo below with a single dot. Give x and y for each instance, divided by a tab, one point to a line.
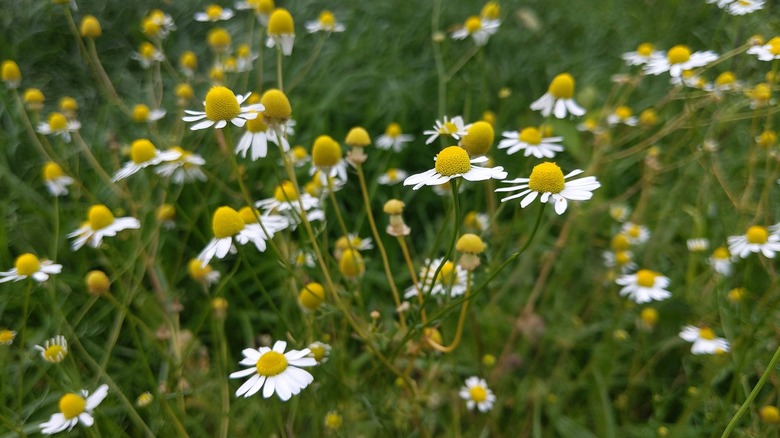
274	371
704	340
547	180
222	106
644	286
453	162
75	408
28	265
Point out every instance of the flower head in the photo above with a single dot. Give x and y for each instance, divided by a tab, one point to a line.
55	179
100	223
320	351
184	169
704	340
757	239
10	74
451	280
532	141
214	13
281	31
454	128
635	233
644	286
326	22
678	59
559	98
54	350
202	274
144	154
75	408
393	138
157	24
624	115
58	124
147	54
767	52
642	55
142	113
274	371
90	27
229	225
311	296
720	260
288	201
453	162
477	394
28	265
392	176
548	180
478	28
478	139
7	336
222	106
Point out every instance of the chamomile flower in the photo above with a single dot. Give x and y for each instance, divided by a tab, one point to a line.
147	55
351	242
725	81
636	234
678	59
298	156
744	7
620	259
393	138
490	13
644	286
184	169
144	154
256	139
704	340
720	3
453	162
392	176
10	74
75	408
274	371
202	274
157	24
7	336
320	351
451	280
622	114
55	179
303	258
559	98
477	394
477	221
214	13
720	260
478	29
58	124
767	52
326	22
281	31
100	223
642	55
548	180
756	240
531	141
698	244
454	128
222	106
262	9
229	225
288	201
28	265
142	113
760	95
245	58
54	350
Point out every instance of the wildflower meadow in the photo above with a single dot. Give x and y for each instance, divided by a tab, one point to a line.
290	218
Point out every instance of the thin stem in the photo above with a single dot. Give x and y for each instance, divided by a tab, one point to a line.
459	329
753	394
22	331
279	69
413	275
455	231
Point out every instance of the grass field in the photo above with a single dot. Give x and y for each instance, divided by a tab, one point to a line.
640	301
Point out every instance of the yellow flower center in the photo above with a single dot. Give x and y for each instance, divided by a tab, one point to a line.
265	6
10	71
620	243
678	54
448	276
90	27
68	104
197	271
277	106
52	171
767	139
142	150
478	394
546	177
562	86
27	264
184	91
646	278
271	364
7	336
218	39
393	130
491	11
478	139
762	92
243	51
649	316
148	26
622	258
725	78
648	117
226	223
645	49
473	24
99	217
71	405
147	50
33	95
757	235
327	20
623	112
256	125
285	192
280	23
326	151
97	282
221	104
166	212
470	244
721	253
299	152
54	353
706	333
530	135
358	137
351	264
774	46
318	352
140	113
214	12
452	160
57	122
248	214
311	296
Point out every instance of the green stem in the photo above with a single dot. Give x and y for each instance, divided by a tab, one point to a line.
752	395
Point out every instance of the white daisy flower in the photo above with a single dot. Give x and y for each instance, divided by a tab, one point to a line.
559	99
720	260
320	351
262	9
743	7
274	371
288	201
58	124
54	350
767	52
144	154
454	127
55	180
214	13
75	408
245	58
392	176
147	55
619	259
158	24
725	81
7	336
690	79
229	225
203	274
100	223
451	280
453	162
303	258
325	23
477	394
531	141
698	244
142	113
643	54
636	234
480	30
704	340
720	3
393	138
678	59
644	286
622	114
548	180
28	265
256	138
757	239
184	169
281	31
222	106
